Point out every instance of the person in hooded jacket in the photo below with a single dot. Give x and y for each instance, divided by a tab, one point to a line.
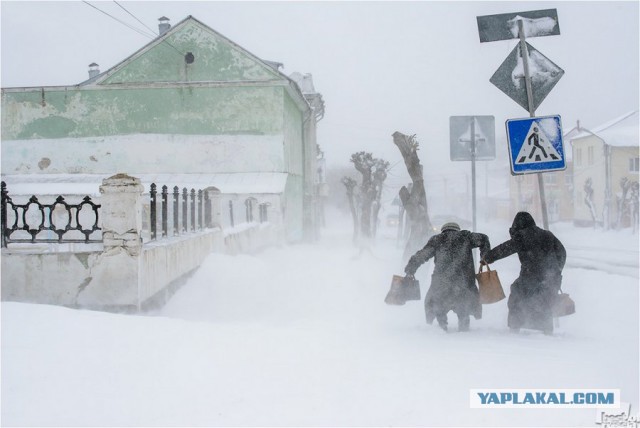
542	258
453	286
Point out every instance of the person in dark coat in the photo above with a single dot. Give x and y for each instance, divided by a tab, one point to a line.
453	286
542	257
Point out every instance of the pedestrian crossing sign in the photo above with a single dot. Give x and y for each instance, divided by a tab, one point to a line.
535	145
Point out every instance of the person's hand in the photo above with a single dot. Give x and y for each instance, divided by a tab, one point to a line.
483	262
410	276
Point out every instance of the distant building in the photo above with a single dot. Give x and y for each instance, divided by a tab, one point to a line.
191	106
558	187
605	173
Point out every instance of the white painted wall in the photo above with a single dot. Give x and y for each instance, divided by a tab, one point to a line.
142	153
115	280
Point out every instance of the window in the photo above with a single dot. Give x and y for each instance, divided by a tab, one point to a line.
634	164
578	156
590	156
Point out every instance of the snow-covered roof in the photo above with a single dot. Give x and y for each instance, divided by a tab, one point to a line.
304	81
622	131
89	184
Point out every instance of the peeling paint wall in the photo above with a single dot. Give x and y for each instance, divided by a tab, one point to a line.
217	110
76	113
119	281
293	138
294	160
45	278
214	59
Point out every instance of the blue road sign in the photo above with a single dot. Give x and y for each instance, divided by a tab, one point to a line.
535	144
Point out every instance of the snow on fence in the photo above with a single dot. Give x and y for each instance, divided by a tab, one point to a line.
122	270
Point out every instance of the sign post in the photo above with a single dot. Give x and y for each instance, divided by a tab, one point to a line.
472	138
532	113
511	26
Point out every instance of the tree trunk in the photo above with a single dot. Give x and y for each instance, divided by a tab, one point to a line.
414	201
350	184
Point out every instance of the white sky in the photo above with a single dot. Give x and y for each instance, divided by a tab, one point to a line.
381	66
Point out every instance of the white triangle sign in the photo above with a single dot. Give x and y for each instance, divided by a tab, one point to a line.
536	147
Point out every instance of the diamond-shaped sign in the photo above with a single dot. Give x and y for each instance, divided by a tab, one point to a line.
509	77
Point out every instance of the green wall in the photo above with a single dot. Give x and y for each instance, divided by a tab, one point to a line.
214	59
176	110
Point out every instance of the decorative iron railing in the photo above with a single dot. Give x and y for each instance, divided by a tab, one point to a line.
188	216
58	222
180	212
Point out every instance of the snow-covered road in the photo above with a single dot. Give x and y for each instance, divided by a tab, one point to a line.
300	336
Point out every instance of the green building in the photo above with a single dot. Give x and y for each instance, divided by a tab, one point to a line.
191	105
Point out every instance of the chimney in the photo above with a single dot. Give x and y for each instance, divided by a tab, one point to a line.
164	25
94	70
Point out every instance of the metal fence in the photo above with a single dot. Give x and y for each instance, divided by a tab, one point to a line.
188	211
60	221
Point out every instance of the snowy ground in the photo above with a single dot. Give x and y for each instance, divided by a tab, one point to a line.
300	336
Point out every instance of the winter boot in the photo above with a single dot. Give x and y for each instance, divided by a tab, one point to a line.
442	322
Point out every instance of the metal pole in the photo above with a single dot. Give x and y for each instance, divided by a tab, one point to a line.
400	225
473	171
532	113
607	187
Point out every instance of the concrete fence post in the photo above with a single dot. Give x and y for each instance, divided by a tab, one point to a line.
122	213
116	272
216	209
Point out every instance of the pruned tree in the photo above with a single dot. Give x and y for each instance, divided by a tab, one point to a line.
414	200
634	208
364	200
380	169
350	185
628	202
588	200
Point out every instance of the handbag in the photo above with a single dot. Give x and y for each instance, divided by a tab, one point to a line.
489	286
563	305
402	289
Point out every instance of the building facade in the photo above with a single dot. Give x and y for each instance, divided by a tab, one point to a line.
191	103
606	174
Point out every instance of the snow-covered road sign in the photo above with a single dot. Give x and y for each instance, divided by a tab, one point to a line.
484	133
510	77
535	144
504	26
